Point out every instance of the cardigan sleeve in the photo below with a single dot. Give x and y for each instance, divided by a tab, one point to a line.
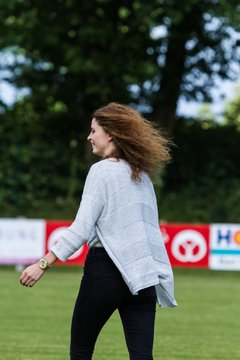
83	227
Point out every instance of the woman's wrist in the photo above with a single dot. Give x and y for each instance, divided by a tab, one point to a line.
51	258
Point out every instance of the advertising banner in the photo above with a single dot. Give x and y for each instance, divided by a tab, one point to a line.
187	244
214	246
21	241
54	230
225	247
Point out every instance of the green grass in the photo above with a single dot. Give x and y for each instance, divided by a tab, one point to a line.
35	322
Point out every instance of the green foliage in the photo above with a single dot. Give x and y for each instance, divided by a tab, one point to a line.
74	57
42	175
39	169
202	182
203	154
213	202
80	55
232	110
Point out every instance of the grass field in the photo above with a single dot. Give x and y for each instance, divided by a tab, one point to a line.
35	322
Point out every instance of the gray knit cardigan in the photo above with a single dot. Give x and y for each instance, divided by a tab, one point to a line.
123	215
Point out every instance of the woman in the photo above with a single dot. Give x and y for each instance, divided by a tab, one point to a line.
127	267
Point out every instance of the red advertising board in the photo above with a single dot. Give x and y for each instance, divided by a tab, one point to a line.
54	230
187	244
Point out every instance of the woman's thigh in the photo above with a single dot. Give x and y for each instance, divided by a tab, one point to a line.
101	291
138	318
89	316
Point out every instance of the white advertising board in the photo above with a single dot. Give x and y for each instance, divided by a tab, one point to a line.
224	247
22	241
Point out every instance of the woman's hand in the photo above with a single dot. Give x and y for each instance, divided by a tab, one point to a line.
31	275
33	272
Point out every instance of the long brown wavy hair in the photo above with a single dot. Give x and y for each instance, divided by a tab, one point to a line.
137	140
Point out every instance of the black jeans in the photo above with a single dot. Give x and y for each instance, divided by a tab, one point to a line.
102	291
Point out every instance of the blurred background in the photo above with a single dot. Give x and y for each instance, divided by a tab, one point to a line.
175	61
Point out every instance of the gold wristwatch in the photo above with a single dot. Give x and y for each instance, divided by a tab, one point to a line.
43	264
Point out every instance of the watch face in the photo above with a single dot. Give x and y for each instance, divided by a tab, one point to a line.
43	264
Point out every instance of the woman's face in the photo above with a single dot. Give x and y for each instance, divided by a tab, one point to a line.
102	144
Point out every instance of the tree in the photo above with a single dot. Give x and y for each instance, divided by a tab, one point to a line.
84	54
198	48
74	56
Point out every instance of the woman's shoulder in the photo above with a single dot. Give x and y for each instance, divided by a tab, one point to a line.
109	164
107	170
117	170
